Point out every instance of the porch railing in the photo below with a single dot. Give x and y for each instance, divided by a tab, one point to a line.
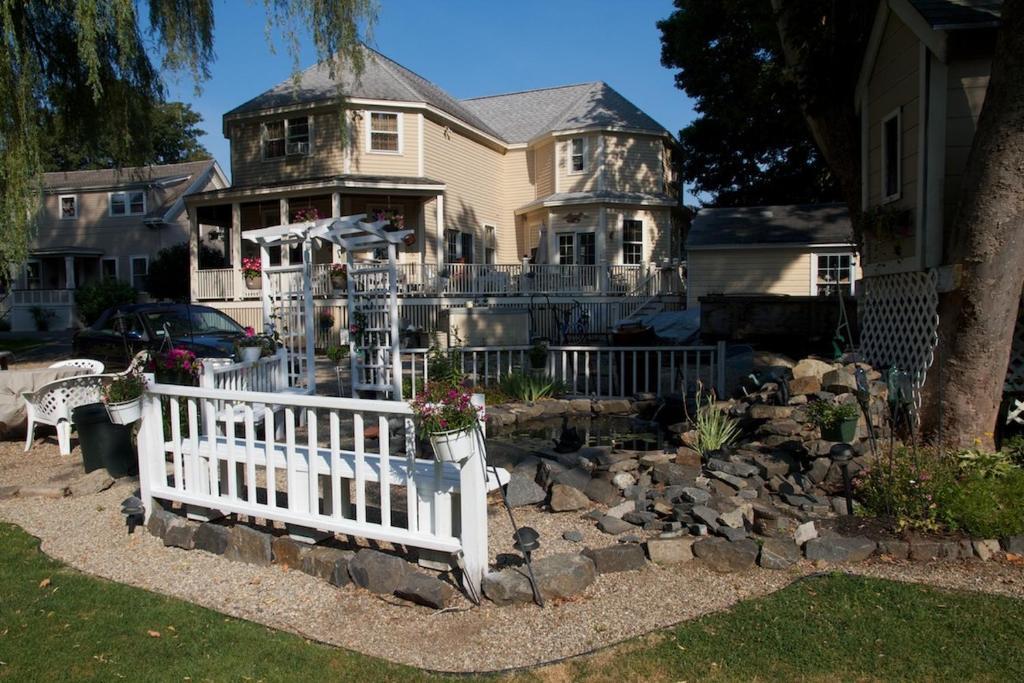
43	297
478	279
220	451
594	371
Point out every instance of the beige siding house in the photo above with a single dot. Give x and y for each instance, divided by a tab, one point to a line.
920	92
103	224
796	250
571	177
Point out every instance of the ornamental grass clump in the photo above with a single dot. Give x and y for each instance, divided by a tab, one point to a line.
528	387
442	407
715	429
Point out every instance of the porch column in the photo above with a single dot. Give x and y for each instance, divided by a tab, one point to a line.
336	213
552	240
193	254
69	272
237	281
284	219
601	247
439	206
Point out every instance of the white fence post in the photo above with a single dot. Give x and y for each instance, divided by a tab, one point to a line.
473	501
720	370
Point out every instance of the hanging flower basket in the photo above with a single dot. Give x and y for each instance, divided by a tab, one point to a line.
250	353
252	271
254	282
455	446
339	276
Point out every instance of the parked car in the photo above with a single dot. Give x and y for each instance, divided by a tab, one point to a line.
121	332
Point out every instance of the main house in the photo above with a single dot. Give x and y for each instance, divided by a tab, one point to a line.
573	185
107	223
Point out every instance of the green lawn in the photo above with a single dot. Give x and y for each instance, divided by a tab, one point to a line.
58	624
19	344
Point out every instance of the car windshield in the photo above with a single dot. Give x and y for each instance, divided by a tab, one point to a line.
185	322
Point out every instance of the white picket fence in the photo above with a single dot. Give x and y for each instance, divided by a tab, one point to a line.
223	453
268	374
595	371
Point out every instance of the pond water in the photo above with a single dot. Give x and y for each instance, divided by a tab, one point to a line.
627	433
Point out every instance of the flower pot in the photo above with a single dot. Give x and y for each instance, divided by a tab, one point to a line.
250	353
455	446
339	282
409	239
254	282
844	432
125	412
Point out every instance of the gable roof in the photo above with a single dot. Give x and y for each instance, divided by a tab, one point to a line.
513	117
958	14
791	224
381	79
169	182
522	116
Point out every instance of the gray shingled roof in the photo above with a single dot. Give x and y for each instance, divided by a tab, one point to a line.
522	116
601	196
381	79
798	224
133	176
953	14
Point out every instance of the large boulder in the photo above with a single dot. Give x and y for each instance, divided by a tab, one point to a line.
811	367
839	382
425	590
558	576
726	556
670	550
839	548
377	572
617	558
246	544
211	537
614	525
778	553
603	492
329	564
523	490
566	498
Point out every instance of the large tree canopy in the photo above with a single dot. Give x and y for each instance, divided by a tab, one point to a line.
93	68
749	144
171	135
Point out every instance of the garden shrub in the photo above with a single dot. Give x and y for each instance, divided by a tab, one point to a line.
95	298
979	494
529	387
444	366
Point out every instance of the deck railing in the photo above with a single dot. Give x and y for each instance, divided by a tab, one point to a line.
220	451
593	371
472	280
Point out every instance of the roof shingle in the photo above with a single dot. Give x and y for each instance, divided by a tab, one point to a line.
797	224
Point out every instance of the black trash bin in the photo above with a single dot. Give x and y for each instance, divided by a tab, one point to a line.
104	444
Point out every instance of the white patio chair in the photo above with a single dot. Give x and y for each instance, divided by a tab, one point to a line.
93	366
52	404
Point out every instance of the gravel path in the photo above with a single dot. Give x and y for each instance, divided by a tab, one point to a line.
89	534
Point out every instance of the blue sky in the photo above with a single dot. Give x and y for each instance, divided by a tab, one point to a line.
467	48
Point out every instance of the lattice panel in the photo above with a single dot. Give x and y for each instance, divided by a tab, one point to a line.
900	323
1015	369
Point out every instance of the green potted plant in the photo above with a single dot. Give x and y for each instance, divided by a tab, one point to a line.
326	321
837	421
339	276
539	354
252	271
123	397
250	347
338	355
448	418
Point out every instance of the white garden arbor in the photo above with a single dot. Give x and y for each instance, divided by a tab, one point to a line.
372	299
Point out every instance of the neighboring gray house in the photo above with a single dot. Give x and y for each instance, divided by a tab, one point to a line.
797	250
103	223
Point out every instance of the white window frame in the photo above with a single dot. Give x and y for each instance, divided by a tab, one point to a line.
448	235
127	204
576	232
24	274
642	241
370	131
583	156
117	273
898	116
814	269
60	206
131	269
490	243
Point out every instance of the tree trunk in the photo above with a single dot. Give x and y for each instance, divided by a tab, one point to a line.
986	248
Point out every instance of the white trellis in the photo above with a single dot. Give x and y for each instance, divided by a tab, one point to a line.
900	323
288	298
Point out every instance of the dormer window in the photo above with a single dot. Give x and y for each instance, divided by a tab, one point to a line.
68	206
131	203
384	132
286	137
577	155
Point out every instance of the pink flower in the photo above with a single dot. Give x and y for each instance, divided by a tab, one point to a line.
249	331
